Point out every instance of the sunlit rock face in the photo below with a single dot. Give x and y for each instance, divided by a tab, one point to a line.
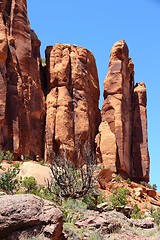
122	141
53	110
72	116
21	98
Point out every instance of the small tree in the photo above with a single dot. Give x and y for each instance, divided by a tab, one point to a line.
70	180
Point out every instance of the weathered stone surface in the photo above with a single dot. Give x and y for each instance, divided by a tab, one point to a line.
139	134
72	116
143	223
42	174
22	212
122	140
101	222
21	97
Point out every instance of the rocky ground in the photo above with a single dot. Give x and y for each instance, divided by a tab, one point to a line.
112	225
79	222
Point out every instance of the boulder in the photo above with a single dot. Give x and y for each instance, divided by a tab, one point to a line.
104	176
42	174
30	214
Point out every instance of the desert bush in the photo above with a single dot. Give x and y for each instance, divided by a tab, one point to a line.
118	178
93	198
30	184
8	181
73	209
73	232
148	185
6	155
128	181
156	215
119	197
136	213
73	181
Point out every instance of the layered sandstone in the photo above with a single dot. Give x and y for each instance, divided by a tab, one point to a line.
72	115
122	140
21	98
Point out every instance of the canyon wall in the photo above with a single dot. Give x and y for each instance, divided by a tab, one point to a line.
22	105
53	109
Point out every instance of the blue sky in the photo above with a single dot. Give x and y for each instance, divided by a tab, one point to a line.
97	25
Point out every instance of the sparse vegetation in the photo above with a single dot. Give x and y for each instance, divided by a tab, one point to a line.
6	155
30	184
8	181
156	215
148	185
73	181
136	213
119	197
128	181
118	178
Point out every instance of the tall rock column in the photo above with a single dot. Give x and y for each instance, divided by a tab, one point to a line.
23	126
118	139
3	71
72	116
140	154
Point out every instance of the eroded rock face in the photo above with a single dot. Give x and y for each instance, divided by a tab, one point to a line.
72	116
29	213
21	98
122	140
140	152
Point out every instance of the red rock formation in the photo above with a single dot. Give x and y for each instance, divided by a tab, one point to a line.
22	102
140	152
122	139
72	116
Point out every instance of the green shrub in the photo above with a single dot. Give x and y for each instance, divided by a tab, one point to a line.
119	197
73	209
136	213
148	185
93	198
8	181
156	215
30	184
128	181
118	178
72	231
6	156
